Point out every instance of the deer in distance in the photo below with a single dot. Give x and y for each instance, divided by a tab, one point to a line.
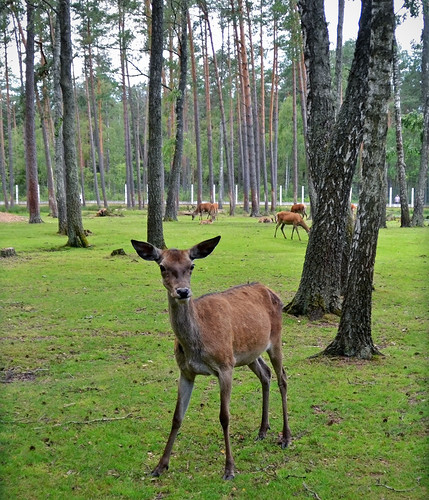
215	333
290	219
207	208
299	208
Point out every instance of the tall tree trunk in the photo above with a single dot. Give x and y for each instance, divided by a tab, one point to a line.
354	332
75	232
400	162
262	143
248	115
3	158
332	169
417	219
339	58
173	191
58	131
228	153
196	115
155	233
30	129
271	122
295	135
208	113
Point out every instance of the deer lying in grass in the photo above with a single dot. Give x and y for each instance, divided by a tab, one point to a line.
290	219
201	209
299	208
215	333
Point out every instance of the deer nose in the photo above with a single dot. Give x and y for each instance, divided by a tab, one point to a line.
183	293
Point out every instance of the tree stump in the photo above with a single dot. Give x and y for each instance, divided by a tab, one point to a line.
7	252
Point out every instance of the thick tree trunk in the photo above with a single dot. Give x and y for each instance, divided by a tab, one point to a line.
30	129
75	232
173	191
354	332
320	287
155	233
417	219
58	132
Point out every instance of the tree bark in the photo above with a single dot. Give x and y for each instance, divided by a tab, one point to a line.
400	162
417	219
30	129
339	58
319	291
75	232
354	332
155	233
173	191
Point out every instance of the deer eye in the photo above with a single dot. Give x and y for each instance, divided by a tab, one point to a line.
162	268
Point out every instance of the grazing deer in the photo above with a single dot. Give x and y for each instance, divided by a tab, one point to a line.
299	208
202	208
290	219
215	333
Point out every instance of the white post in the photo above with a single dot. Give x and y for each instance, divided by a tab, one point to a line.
214	193
302	194
16	194
192	194
280	195
125	194
412	197
236	194
351	192
390	196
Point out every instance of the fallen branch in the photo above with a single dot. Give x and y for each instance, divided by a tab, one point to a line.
316	496
394	489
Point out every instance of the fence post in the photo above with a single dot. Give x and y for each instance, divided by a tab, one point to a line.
390	196
16	194
412	197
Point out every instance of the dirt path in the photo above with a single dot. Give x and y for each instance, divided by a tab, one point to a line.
5	217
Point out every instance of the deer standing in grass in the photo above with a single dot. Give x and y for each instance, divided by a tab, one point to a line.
202	208
216	332
291	219
299	208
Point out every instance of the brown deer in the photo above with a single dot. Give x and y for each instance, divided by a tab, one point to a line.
290	219
216	332
202	208
299	208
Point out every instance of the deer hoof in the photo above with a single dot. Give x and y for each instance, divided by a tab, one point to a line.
228	476
159	470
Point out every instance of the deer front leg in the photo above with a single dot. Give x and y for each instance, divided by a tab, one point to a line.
225	381
184	395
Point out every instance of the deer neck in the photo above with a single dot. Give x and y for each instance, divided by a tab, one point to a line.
183	322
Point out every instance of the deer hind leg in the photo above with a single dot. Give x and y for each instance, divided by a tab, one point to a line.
295	228
225	382
275	354
184	395
283	225
262	371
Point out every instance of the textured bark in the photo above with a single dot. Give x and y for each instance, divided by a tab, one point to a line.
400	162
30	129
173	190
155	233
75	232
354	332
208	111
320	287
339	58
417	219
58	132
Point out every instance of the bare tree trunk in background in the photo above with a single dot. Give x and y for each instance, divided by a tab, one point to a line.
271	122
173	191
3	158
354	332
417	219
155	233
196	115
339	58
400	162
262	149
9	131
295	135
75	232
58	131
208	112
30	129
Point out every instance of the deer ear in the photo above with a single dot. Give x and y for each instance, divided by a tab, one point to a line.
204	248
146	251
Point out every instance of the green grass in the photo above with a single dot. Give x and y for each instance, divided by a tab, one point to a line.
89	377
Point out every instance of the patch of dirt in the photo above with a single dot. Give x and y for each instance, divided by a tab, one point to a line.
6	217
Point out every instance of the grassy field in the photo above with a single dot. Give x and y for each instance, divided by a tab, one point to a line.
89	377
